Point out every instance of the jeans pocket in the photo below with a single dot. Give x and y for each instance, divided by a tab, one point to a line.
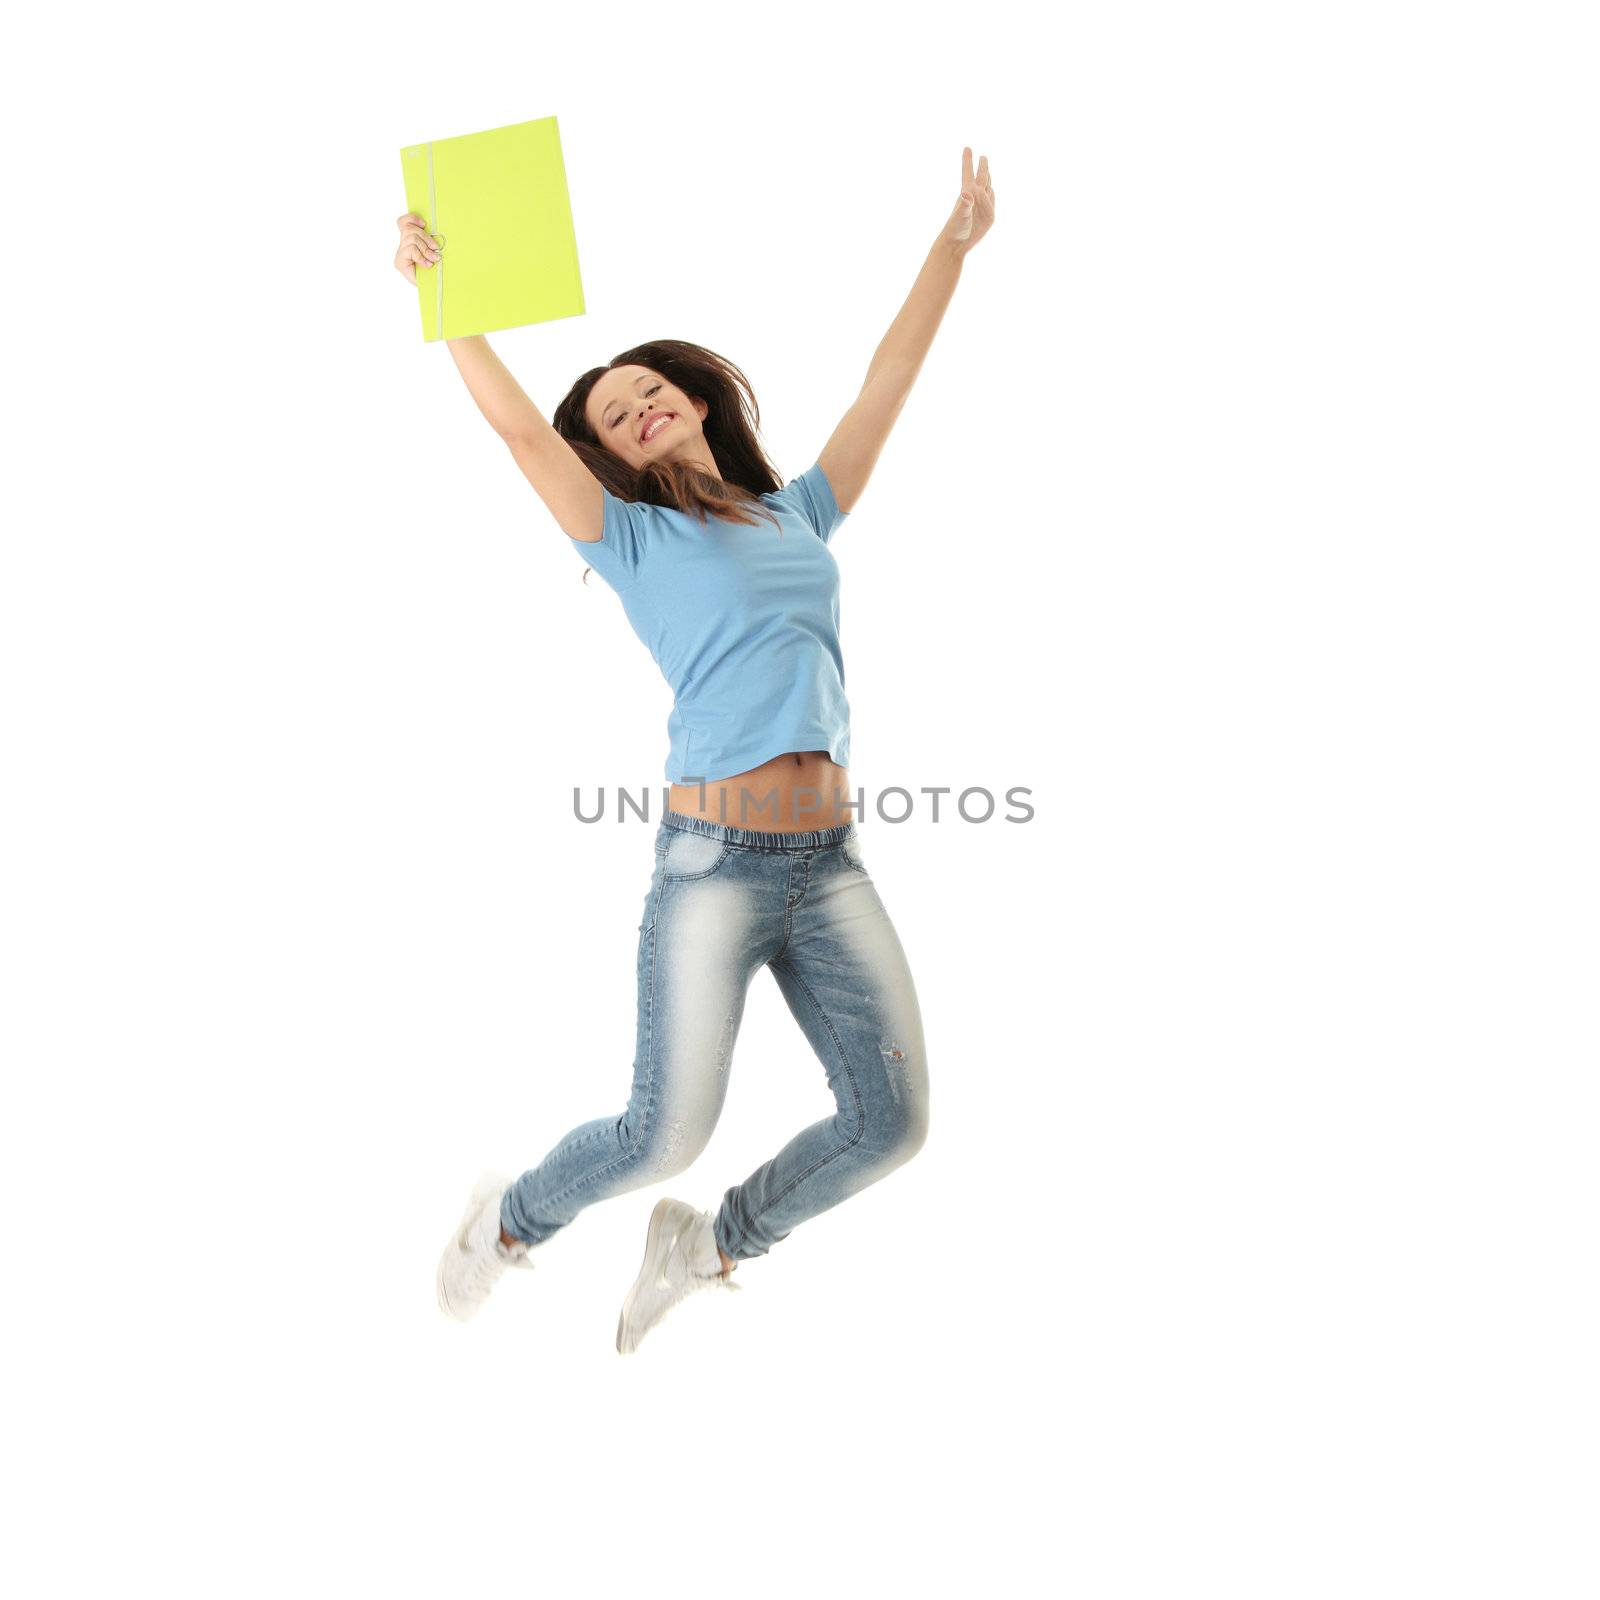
693	855
850	852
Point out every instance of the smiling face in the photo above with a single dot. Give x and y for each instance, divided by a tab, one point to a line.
626	409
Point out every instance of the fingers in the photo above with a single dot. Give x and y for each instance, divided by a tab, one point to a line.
974	211
417	248
411	224
980	186
972	182
415	233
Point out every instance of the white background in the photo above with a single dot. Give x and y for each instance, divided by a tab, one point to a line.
1244	511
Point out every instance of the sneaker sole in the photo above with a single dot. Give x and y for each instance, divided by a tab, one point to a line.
482	1192
653	1254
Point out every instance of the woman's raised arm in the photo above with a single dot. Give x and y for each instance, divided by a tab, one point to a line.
569	490
852	451
495	392
550	464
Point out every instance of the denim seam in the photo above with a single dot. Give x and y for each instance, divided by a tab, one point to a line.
692	877
582	1145
788	916
650	1057
855	1090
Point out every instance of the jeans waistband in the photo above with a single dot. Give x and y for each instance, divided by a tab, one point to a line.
758	838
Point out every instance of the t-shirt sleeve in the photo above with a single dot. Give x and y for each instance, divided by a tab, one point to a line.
624	538
812	496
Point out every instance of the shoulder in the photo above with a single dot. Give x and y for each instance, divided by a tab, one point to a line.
810	496
629	529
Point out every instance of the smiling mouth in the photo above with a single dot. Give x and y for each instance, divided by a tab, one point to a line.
655	426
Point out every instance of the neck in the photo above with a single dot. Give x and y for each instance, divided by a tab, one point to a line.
700	457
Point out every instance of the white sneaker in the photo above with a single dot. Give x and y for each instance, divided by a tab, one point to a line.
680	1256
475	1257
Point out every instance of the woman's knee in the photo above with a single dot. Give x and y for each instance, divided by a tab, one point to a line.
899	1118
911	1130
662	1144
897	1133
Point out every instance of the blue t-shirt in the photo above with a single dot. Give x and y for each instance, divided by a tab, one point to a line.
743	622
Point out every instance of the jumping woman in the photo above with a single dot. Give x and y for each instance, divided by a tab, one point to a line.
652	468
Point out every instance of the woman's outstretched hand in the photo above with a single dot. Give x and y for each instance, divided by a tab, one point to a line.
974	212
418	247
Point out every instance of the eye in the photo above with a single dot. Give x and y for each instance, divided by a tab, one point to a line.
648	392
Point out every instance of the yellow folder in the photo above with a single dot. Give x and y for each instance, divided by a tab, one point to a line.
499	201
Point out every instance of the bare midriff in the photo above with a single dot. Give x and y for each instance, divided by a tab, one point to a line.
799	792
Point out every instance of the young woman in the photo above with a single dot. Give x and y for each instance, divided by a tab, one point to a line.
652	469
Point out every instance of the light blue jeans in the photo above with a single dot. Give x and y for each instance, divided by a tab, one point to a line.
723	903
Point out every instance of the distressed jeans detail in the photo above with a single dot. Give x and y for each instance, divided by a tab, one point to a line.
723	903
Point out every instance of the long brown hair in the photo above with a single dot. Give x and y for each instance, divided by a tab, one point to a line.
729	427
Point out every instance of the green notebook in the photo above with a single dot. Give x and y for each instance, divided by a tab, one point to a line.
499	201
